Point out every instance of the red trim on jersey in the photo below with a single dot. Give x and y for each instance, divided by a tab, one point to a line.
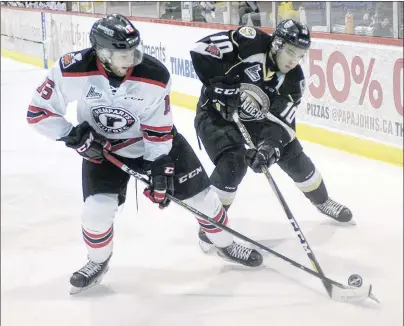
81	74
113	160
128	74
148	81
47	114
126	143
157	139
92	160
157	129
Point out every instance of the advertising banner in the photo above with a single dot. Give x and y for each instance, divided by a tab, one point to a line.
351	88
355	89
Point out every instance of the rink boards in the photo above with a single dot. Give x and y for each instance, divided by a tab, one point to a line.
354	91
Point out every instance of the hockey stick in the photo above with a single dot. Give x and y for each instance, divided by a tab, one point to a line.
339	292
292	220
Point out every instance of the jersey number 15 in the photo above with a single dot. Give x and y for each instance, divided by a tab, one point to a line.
46	89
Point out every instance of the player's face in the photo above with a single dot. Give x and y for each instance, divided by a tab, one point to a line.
288	57
122	60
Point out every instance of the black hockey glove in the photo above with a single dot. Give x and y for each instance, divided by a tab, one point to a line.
266	155
87	142
224	93
161	172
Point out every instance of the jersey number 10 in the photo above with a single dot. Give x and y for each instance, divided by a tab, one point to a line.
289	113
223	43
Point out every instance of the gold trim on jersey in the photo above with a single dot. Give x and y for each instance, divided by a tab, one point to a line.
267	73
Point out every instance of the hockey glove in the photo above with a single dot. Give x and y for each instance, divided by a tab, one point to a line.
224	93
161	172
87	142
266	155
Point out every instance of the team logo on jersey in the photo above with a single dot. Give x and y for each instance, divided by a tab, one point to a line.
113	120
248	32
92	94
214	51
253	72
70	58
254	103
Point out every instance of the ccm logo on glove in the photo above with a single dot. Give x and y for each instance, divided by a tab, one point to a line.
169	170
227	91
87	143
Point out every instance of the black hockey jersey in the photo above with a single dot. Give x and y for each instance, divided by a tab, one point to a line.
244	53
133	113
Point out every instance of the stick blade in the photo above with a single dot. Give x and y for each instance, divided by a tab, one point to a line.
353	294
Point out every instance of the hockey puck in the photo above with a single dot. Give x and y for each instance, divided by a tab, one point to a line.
355	280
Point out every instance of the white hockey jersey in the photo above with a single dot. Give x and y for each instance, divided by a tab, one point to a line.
136	116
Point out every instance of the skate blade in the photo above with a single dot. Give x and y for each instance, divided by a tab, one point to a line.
76	290
344	224
207	249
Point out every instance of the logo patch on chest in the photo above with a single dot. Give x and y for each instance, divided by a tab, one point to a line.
113	120
254	103
253	72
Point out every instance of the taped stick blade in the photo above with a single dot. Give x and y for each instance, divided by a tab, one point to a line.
353	294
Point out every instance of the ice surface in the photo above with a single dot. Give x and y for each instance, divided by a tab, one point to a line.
158	275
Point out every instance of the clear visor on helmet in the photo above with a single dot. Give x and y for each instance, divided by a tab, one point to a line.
120	61
289	56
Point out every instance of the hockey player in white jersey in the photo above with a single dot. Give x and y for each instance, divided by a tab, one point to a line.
123	103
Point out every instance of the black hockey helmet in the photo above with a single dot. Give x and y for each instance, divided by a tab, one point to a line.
291	40
294	33
117	43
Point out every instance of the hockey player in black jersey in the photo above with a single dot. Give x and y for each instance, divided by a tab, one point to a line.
251	72
123	106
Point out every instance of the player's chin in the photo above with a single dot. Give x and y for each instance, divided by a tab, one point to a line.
285	69
122	71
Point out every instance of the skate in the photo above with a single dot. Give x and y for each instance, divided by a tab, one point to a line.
205	244
242	255
336	211
88	276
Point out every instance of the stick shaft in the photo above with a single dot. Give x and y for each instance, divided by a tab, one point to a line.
292	220
140	177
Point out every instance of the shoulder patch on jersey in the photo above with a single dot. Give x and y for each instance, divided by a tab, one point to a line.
248	32
70	58
214	51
